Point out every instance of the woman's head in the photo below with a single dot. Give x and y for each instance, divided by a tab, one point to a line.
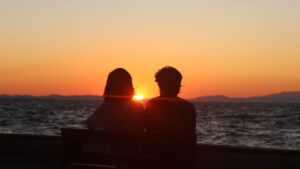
119	85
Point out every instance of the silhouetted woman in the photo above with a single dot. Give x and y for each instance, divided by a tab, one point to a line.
118	113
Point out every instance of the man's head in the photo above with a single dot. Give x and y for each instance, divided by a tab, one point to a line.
169	81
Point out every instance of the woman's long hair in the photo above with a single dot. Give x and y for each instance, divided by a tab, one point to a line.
118	85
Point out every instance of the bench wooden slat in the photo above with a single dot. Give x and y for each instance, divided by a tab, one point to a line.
97	148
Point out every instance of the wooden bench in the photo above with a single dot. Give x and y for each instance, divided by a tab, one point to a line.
83	148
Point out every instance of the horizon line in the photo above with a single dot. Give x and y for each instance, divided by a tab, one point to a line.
94	95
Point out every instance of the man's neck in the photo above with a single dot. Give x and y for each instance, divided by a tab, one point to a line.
168	95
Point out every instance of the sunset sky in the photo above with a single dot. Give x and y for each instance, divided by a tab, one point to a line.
237	48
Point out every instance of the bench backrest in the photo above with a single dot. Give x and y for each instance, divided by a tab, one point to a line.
97	148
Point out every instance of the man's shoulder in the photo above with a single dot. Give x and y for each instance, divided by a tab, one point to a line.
186	103
152	102
154	99
176	100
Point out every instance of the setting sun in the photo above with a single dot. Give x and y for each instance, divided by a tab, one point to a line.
138	97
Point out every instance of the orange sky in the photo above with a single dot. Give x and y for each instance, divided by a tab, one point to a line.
243	49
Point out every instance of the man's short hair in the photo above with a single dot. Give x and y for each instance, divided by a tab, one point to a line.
169	79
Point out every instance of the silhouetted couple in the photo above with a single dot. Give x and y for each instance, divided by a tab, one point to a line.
168	121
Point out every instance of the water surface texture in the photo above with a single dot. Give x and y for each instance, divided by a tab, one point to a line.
269	125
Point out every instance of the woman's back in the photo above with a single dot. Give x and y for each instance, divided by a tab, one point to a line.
118	116
118	113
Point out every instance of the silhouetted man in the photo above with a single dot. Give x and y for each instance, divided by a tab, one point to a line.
170	124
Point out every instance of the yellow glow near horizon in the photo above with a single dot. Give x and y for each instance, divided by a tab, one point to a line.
138	97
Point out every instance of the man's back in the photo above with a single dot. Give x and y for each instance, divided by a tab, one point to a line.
171	117
170	125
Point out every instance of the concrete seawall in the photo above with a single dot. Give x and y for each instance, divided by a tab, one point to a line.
37	151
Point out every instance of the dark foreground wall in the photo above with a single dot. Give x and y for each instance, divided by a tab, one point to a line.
29	151
44	152
217	157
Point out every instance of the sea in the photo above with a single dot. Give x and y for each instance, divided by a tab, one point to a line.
266	125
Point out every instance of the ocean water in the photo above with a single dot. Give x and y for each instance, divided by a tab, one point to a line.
269	125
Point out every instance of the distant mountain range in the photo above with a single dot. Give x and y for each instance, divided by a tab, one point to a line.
283	97
55	97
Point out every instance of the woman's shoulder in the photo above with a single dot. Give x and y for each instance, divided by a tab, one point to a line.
136	104
127	103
